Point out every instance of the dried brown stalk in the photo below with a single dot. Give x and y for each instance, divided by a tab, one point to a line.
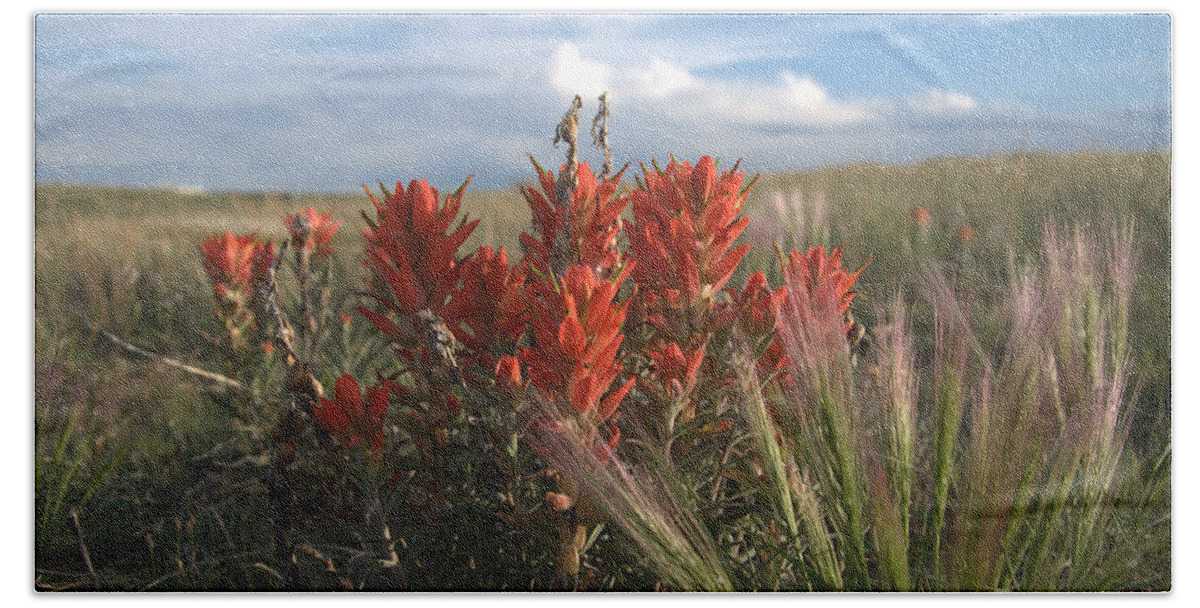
159	359
83	550
600	135
568	181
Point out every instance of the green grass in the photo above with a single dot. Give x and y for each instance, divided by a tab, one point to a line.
154	462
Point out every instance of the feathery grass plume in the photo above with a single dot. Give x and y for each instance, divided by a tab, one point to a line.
888	388
651	505
794	501
820	410
951	346
894	380
1034	506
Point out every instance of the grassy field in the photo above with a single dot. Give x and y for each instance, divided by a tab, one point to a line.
154	472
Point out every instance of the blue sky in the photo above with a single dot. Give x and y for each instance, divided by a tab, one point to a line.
328	102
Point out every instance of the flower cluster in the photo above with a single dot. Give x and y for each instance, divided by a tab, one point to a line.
814	318
312	231
237	264
577	337
686	219
487	313
581	231
412	252
352	420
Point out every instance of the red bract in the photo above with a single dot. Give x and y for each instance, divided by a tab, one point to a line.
675	371
412	250
312	231
349	419
758	311
812	320
685	220
577	325
487	313
592	220
820	277
236	261
508	374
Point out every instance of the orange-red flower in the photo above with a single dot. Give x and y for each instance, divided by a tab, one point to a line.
508	374
685	221
487	313
312	231
820	278
921	217
350	419
966	234
758	311
591	218
812	323
577	332
235	262
675	371
412	253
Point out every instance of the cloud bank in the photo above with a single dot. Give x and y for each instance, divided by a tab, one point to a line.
326	102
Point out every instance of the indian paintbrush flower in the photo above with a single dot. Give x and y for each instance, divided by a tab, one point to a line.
577	325
237	264
487	313
312	231
351	419
582	231
412	252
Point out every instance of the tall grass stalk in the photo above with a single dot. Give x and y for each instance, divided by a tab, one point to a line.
650	504
819	413
1034	504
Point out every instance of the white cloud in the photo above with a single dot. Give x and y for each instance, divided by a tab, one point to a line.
935	101
790	100
571	73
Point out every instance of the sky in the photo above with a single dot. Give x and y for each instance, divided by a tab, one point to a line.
326	102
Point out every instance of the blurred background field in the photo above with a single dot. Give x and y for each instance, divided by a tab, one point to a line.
130	446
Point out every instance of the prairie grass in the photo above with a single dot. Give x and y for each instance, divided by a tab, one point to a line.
1007	425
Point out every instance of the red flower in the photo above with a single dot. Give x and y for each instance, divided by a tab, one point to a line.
820	278
345	318
758	310
812	323
577	326
312	231
966	234
592	220
675	370
412	253
413	249
487	313
921	217
685	220
235	262
508	374
349	419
